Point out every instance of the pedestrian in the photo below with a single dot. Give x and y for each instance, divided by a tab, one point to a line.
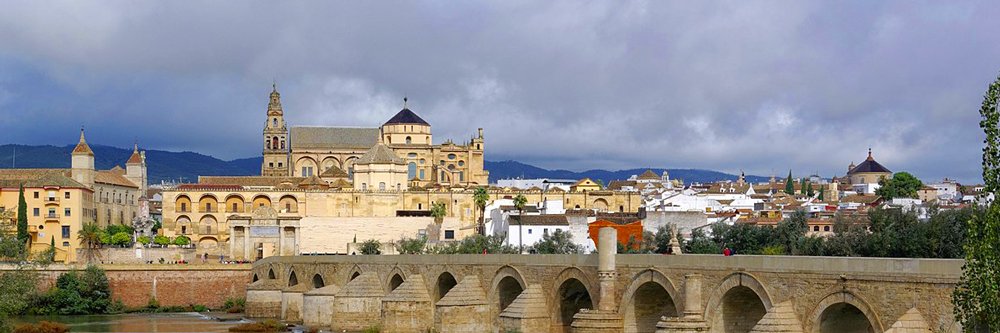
727	252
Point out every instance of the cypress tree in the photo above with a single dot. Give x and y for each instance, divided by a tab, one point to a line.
22	217
810	192
789	186
822	191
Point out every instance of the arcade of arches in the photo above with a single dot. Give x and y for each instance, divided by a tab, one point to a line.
651	293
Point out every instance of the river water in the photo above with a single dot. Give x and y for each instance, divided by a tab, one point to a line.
138	322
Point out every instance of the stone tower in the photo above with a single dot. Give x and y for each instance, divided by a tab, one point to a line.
135	170
83	163
275	139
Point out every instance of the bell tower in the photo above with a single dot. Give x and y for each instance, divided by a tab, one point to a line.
275	138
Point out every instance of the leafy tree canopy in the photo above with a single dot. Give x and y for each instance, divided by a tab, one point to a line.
901	185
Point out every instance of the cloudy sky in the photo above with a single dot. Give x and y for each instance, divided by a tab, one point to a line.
754	85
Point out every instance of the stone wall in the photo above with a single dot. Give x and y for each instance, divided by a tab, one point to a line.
172	285
685	221
119	256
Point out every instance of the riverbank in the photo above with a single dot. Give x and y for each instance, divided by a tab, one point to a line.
142	322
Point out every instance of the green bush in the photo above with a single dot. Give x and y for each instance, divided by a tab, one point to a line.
144	240
77	293
121	239
199	308
105	238
370	246
161	240
182	240
153	303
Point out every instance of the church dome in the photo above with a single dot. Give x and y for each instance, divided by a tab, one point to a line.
869	166
405	116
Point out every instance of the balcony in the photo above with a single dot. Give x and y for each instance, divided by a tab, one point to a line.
52	199
208	210
51	217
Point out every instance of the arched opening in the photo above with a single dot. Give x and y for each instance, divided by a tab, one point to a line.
395	282
261	201
292	279
234	204
741	310
254	279
507	291
318	281
601	205
270	273
355	276
445	282
844	318
649	303
573	296
208	204
182	204
288	204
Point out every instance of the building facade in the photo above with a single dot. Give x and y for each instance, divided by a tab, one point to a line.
308	151
60	201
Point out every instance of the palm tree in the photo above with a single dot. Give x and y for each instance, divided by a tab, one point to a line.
519	202
481	197
90	236
438	211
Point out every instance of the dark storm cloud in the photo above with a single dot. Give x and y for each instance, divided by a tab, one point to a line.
762	86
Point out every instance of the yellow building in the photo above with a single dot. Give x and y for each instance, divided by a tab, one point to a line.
308	151
585	185
59	201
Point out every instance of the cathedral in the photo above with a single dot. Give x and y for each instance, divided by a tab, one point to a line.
395	156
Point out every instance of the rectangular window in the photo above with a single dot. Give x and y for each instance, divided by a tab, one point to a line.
65	231
52	212
66	195
208	207
36	194
66	212
421	174
235	207
65	244
184	207
449	234
36	211
529	231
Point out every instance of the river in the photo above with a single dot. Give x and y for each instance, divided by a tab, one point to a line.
138	322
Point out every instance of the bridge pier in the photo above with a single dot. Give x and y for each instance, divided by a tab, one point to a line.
606	318
264	299
408	308
464	309
528	313
692	320
317	304
358	305
291	302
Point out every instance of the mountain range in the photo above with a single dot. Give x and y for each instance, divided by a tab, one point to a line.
187	166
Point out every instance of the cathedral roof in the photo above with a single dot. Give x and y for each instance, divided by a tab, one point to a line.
869	165
333	137
112	177
37	178
648	175
334	172
405	116
380	154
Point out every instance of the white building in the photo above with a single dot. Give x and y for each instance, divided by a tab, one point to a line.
543	183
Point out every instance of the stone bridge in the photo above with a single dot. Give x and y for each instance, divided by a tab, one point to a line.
606	293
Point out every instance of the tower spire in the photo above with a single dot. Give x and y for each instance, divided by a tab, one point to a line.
404	101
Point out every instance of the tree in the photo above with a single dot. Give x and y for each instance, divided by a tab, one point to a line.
411	245
370	246
810	191
11	248
22	219
822	193
802	186
161	240
976	296
144	240
519	202
90	236
182	240
123	239
438	211
701	244
789	186
901	185
481	197
790	230
557	242
600	183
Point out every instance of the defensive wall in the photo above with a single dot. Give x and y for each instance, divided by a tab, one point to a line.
631	293
171	285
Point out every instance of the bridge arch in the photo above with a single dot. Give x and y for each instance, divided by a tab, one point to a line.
254	278
395	278
293	279
573	291
844	311
508	283
650	296
443	284
270	273
318	281
353	274
737	304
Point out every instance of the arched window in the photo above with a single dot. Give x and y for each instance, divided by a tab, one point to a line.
282	144
275	122
275	145
408	140
268	143
381	186
411	170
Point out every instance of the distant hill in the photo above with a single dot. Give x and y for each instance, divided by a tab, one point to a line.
514	169
163	165
187	166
